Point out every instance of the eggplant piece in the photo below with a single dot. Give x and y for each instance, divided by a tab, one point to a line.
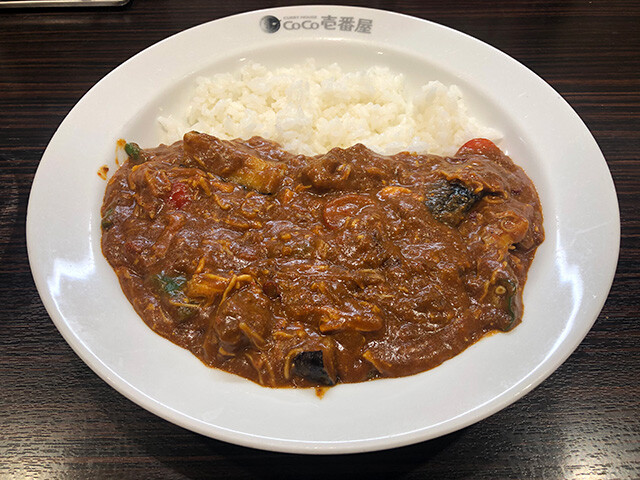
310	365
504	296
449	201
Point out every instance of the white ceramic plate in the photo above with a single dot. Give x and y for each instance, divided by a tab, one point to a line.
568	282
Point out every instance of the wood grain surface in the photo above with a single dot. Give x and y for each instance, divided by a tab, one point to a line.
59	420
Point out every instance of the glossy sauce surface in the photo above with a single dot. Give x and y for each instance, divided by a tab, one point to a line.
305	271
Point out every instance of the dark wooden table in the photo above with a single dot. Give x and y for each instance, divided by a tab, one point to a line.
59	420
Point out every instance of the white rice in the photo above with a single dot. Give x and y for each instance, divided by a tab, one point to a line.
310	110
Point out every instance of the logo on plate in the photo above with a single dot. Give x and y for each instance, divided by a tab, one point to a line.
270	24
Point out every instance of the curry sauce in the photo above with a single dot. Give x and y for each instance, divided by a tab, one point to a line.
292	270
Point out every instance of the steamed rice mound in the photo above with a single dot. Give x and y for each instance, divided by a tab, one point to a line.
310	110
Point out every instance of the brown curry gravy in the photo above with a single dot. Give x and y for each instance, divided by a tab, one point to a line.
306	271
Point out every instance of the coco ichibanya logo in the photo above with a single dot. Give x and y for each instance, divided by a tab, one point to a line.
271	24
